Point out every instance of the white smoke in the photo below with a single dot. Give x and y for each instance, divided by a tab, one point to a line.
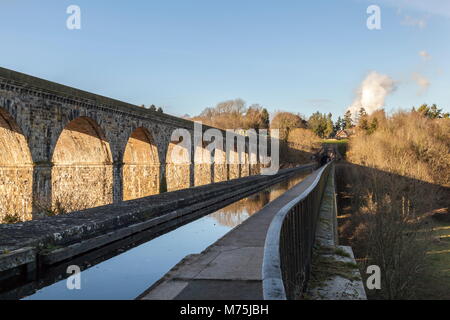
372	92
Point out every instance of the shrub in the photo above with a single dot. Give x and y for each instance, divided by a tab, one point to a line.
386	227
11	218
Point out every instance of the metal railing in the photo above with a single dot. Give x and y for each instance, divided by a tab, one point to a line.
290	240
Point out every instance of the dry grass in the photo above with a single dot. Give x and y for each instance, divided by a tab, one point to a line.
407	144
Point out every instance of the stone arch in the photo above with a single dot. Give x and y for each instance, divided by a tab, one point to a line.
16	171
203	171
178	165
82	172
141	166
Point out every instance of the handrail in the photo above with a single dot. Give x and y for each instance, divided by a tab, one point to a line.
289	242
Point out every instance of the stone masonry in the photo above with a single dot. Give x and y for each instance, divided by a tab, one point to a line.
66	149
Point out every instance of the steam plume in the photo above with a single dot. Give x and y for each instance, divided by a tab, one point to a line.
372	93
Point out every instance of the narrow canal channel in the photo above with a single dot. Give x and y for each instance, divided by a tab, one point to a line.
132	271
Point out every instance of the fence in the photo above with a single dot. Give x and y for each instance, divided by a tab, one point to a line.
290	241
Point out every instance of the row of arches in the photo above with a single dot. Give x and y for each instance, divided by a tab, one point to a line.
82	169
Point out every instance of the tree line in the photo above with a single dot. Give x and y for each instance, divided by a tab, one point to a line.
234	114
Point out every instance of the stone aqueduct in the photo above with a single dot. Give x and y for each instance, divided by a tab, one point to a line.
64	149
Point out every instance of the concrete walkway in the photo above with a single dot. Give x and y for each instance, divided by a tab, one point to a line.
230	269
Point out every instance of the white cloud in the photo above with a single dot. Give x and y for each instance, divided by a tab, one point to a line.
424	54
415	22
372	92
422	81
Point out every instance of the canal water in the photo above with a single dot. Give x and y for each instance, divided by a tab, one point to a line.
131	272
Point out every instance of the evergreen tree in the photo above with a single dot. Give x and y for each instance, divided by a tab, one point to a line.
432	112
362	119
362	113
339	124
321	124
329	126
348	122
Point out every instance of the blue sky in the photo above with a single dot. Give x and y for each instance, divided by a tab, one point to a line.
298	56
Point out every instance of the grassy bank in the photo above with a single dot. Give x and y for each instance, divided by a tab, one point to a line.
391	191
435	284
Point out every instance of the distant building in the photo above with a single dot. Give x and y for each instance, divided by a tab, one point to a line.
343	134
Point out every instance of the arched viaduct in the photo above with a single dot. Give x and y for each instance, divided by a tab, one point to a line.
64	149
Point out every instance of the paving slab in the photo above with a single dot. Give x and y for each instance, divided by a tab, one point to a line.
222	290
167	290
224	266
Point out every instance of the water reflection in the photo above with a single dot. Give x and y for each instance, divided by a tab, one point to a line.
128	274
238	212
